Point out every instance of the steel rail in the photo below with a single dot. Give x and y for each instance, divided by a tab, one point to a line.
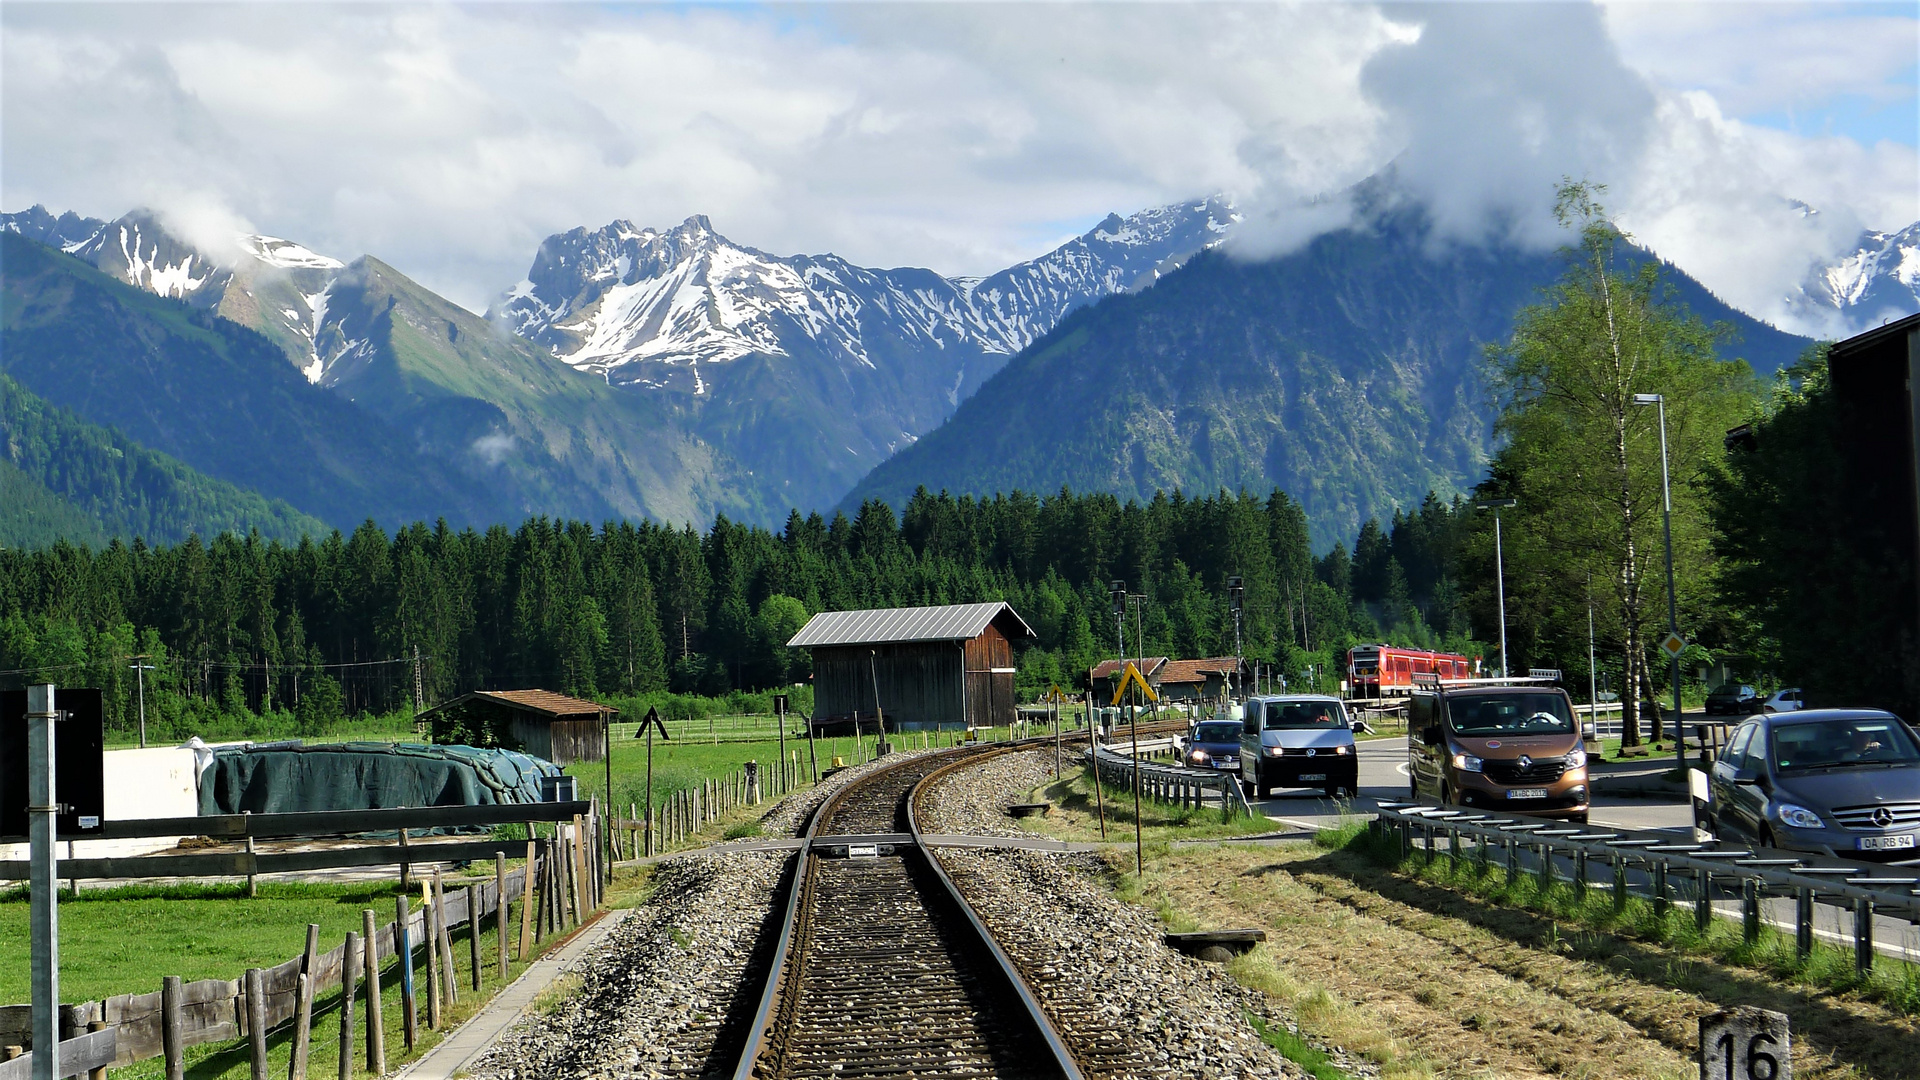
781	969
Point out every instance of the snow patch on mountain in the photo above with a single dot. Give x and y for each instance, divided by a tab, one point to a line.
284	254
628	302
1876	282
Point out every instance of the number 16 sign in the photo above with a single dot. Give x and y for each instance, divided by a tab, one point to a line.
1745	1044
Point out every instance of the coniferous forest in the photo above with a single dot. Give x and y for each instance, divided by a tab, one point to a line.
329	626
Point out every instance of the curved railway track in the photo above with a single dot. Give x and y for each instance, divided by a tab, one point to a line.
883	969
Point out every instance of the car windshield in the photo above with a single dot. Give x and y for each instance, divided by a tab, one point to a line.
1211	733
1724	691
1844	744
1304	714
1510	714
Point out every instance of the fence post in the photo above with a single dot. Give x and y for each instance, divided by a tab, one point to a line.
1660	888
1750	910
1619	881
1543	851
302	1028
501	917
172	1021
526	903
1703	900
433	955
1803	922
473	933
255	989
1862	935
443	939
99	1073
403	948
376	1022
1513	859
1579	874
349	979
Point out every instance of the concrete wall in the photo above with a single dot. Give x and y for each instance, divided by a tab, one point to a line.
152	783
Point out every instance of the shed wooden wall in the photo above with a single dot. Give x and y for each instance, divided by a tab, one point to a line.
919	682
562	742
990	680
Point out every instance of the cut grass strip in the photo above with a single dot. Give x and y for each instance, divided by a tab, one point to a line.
1297	1050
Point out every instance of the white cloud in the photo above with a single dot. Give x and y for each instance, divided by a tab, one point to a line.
449	141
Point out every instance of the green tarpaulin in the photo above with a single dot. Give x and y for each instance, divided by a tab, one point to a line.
284	778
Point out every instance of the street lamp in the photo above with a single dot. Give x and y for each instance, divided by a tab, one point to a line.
1234	591
1499	570
1673	607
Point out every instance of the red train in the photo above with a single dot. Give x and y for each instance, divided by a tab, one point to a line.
1380	670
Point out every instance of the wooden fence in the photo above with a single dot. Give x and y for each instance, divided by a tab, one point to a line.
682	814
560	883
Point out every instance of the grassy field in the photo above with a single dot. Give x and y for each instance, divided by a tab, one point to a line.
1420	977
1076	815
201	932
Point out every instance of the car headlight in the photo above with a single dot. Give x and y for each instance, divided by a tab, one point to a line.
1273	751
1468	763
1197	756
1343	749
1577	759
1799	817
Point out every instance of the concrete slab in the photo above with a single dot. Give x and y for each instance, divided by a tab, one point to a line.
471	1039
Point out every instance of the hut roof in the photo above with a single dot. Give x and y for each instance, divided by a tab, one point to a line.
1196	671
542	702
949	622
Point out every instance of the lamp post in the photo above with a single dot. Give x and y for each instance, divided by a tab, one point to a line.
140	669
1499	571
1235	589
1673	606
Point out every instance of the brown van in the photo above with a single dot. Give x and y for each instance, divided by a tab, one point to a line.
1512	749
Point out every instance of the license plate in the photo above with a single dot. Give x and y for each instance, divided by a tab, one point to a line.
1228	763
1884	843
1305	777
1527	793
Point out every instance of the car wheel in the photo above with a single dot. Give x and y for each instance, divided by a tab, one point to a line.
1446	794
1766	837
1333	791
1578	819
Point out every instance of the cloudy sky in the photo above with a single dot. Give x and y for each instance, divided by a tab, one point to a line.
449	140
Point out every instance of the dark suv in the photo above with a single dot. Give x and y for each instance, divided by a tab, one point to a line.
1733	699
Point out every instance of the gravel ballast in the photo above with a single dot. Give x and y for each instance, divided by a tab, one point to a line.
652	999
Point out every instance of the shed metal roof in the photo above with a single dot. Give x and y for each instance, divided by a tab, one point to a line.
545	702
949	622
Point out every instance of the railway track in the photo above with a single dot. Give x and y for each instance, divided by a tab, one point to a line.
881	968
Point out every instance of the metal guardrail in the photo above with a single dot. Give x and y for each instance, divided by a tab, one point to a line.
1172	784
1751	875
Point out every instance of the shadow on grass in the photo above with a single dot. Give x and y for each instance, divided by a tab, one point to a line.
1880	1047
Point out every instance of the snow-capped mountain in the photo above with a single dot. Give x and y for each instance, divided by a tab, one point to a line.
275	286
1877	281
651	307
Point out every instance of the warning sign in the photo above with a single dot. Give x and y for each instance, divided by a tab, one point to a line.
1673	645
1132	678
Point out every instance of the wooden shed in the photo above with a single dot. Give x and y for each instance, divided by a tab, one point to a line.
547	725
921	667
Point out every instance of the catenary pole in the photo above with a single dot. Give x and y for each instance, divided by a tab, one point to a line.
45	873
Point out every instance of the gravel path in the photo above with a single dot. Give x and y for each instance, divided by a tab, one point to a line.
1126	1004
973	801
789	818
653	998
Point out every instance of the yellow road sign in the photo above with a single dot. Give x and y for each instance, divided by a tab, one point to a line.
1056	695
1132	678
1673	645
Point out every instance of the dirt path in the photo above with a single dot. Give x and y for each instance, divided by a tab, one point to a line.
1427	983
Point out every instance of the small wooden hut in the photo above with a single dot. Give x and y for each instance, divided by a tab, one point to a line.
547	725
919	667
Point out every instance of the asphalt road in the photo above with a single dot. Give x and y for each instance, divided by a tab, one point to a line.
1383	778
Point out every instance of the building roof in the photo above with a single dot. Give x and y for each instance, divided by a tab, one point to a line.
949	622
1110	669
1196	671
544	702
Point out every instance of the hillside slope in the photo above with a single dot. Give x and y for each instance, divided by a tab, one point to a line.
214	395
1346	374
67	479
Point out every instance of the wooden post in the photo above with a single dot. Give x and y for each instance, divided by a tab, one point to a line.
443	939
403	948
526	904
99	1073
349	979
1862	935
255	989
253	887
302	1028
473	933
432	944
406	865
579	868
1803	922
172	1027
376	1021
500	917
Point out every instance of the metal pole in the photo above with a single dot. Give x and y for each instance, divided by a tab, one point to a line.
45	913
1593	679
140	669
1673	607
1500	588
